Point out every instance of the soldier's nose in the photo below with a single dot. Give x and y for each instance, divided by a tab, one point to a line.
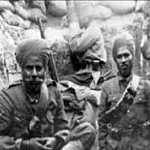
123	59
34	73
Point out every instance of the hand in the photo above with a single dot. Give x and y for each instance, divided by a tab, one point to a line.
34	143
50	142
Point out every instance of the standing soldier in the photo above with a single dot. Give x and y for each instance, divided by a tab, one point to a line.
31	110
125	103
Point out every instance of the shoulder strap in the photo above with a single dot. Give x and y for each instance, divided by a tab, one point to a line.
135	82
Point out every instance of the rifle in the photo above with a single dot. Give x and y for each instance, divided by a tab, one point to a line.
51	63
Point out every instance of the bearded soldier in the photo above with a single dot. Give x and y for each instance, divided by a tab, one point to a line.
31	109
129	127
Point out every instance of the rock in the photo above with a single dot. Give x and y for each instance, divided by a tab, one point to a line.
5	37
15	33
5	4
7	46
15	20
34	14
56	8
119	8
38	4
98	10
20	10
28	13
85	11
102	12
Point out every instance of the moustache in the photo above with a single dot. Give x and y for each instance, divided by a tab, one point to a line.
124	65
33	81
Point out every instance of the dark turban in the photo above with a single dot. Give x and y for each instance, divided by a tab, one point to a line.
32	47
123	40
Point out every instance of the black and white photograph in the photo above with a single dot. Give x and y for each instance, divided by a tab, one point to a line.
74	75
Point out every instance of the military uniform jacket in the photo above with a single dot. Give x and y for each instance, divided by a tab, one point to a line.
88	44
137	114
16	112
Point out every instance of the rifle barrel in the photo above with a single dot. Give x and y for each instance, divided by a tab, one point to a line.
52	66
41	29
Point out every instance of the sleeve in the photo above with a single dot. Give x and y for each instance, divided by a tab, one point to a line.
103	108
61	128
102	122
6	142
85	39
104	97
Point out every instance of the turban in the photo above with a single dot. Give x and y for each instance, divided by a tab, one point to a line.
32	47
123	40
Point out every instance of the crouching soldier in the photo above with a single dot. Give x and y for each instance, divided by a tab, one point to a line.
31	110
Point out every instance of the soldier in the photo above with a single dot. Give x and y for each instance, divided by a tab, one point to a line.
131	127
87	49
31	110
88	56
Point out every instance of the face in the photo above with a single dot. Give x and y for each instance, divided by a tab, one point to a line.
124	61
33	74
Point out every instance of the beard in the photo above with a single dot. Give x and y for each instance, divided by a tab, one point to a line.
125	69
126	72
33	86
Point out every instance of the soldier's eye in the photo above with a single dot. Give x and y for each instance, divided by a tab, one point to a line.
126	55
29	68
38	68
119	56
